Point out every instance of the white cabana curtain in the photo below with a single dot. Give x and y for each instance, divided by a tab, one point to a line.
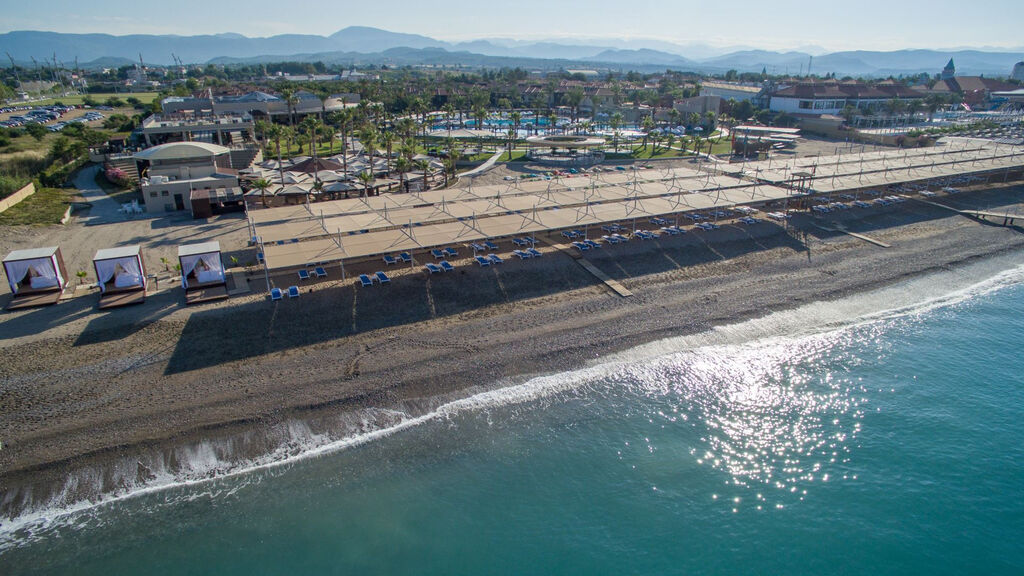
44	273
207	267
126	272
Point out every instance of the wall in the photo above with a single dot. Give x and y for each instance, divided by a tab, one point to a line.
26	191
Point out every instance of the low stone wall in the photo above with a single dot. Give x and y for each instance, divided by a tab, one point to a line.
26	191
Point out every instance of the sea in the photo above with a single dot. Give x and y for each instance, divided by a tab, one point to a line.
880	433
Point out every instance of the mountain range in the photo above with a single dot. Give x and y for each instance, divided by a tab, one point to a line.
358	45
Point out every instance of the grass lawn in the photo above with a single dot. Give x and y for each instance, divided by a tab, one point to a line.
517	156
43	208
77	100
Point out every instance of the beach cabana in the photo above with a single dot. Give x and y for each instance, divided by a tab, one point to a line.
37	276
120	275
202	272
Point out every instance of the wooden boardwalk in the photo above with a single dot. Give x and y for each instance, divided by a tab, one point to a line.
1007	218
610	282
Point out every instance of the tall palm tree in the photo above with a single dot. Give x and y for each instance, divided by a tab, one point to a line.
288	95
262	184
615	122
368	138
388	139
647	124
425	166
276	133
402	166
366	177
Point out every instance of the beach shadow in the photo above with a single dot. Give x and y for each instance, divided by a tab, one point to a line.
110	325
43	318
330	311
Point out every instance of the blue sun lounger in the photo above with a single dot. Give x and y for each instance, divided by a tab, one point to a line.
580	246
382	277
438	255
450	252
320	272
592	243
483	261
365	280
495	259
522	255
389	259
293	291
478	247
405	257
303	274
447	266
275	294
534	252
491	245
432	268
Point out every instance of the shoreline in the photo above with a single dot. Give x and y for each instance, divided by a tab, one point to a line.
418	366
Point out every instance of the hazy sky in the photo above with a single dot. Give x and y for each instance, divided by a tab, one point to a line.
867	24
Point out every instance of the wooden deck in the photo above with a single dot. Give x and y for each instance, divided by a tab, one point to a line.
201	294
33	299
123	298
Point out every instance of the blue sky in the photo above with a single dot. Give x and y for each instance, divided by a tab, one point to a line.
779	24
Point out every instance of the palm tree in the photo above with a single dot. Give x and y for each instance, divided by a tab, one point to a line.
425	166
647	124
368	138
388	139
288	95
402	166
574	98
366	177
276	132
615	122
262	184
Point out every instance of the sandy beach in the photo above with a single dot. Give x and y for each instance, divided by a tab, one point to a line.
114	392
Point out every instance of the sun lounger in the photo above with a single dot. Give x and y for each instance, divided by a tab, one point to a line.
522	255
670	231
259	257
534	252
592	243
275	294
389	260
580	246
382	277
491	245
519	242
450	252
405	257
447	266
432	268
303	274
293	291
365	280
482	261
478	247
568	234
438	254
495	259
320	272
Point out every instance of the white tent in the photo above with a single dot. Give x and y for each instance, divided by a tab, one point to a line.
120	268
35	269
202	262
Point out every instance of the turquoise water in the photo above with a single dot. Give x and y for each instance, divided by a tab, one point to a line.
837	439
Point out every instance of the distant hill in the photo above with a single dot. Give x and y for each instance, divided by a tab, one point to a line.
365	45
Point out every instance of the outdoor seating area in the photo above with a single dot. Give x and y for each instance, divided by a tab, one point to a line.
36	276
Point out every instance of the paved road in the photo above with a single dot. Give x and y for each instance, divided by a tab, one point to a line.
104	210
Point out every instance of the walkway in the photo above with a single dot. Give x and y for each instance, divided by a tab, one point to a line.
104	210
483	167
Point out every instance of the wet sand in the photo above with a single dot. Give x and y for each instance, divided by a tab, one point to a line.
85	390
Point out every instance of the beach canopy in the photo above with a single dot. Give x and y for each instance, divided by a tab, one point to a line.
202	261
40	268
123	265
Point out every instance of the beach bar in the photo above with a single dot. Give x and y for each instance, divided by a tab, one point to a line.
202	272
37	276
121	276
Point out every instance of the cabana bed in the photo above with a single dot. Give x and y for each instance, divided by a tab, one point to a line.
121	276
202	272
37	277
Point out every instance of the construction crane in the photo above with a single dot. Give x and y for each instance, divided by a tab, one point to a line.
15	68
39	73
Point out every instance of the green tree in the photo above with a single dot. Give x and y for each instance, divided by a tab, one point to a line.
262	185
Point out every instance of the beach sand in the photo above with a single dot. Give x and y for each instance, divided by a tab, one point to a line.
84	390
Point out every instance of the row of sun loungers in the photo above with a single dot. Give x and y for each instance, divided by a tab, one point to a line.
368	280
278	294
528	253
444	253
485	261
403	257
523	241
442	266
318	272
